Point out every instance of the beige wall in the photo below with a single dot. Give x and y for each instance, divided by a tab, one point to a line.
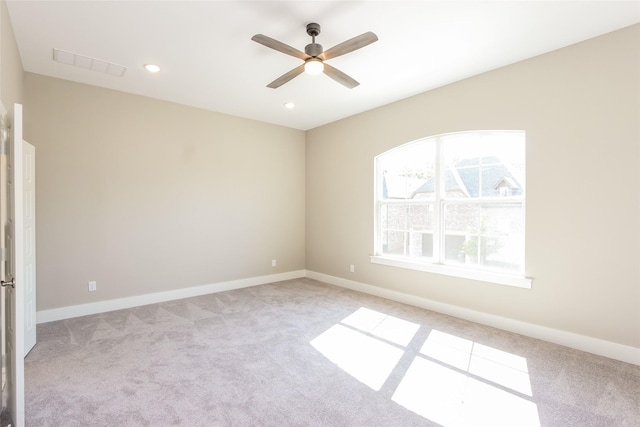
145	196
11	72
580	107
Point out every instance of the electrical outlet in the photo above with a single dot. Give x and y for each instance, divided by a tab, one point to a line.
352	268
274	263
93	286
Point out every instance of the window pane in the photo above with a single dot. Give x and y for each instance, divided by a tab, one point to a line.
454	248
503	219
427	245
506	253
462	218
488	235
404	171
393	227
395	218
393	242
487	164
420	217
407	229
420	220
420	245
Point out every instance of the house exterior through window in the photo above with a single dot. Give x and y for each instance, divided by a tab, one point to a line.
454	200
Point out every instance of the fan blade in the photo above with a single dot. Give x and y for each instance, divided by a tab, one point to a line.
350	45
279	46
286	77
339	76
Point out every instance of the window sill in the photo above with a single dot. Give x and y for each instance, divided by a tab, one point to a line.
447	270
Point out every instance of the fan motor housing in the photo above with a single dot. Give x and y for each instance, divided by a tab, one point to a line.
313	49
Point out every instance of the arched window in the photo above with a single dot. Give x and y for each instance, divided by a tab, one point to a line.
454	204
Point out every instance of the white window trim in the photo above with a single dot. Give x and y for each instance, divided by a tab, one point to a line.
447	270
436	267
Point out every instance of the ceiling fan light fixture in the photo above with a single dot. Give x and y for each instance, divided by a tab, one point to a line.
314	56
313	66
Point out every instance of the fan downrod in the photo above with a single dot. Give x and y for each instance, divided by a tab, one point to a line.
314	49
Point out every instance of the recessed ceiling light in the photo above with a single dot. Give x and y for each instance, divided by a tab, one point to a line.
152	68
289	105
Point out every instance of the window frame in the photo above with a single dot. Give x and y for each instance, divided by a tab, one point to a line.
437	263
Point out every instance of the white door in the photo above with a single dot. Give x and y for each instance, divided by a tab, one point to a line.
29	245
19	274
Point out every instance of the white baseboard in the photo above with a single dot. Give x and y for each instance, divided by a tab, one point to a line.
121	303
597	346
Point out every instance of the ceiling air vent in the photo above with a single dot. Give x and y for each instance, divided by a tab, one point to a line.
88	63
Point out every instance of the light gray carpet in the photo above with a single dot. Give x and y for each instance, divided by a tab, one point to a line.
300	353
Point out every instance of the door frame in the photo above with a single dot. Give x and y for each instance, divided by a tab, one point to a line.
13	308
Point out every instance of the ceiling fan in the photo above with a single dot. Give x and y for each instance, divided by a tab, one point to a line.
314	57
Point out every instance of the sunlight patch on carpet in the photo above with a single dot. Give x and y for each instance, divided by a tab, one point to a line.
367	359
382	325
451	398
500	367
451	380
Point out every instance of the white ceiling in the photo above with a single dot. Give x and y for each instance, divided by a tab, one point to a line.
208	60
